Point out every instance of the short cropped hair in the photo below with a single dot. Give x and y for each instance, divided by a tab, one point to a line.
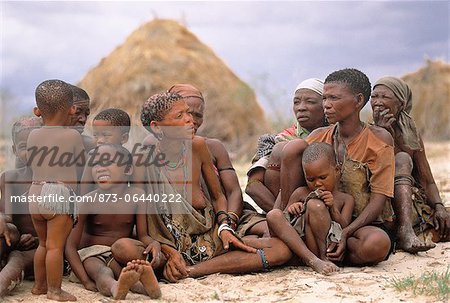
116	117
79	94
318	150
157	106
25	123
356	80
53	96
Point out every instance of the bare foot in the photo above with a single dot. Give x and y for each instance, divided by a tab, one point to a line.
39	290
61	296
323	267
128	277
148	279
408	241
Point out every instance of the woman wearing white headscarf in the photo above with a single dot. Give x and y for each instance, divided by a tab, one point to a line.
417	202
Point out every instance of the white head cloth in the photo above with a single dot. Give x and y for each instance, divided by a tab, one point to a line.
313	84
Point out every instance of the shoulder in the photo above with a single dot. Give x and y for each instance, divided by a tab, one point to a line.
344	197
216	147
381	134
320	134
320	131
198	143
214	143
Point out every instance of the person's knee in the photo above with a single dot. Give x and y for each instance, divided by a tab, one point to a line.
278	253
316	207
403	164
275	156
125	250
273	217
375	247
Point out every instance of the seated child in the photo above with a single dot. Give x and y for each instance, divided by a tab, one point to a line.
99	226
315	214
111	126
18	239
56	155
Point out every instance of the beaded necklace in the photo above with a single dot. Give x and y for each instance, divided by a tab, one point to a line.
182	162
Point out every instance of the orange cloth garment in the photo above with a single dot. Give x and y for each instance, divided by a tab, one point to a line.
366	148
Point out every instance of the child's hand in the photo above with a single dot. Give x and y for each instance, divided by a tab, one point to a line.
154	248
327	198
295	209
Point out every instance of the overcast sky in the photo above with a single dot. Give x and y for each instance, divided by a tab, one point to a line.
270	45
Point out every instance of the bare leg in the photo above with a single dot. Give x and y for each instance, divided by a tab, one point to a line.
236	262
281	228
407	239
148	283
126	249
58	230
318	224
369	245
12	273
128	277
102	275
40	276
260	229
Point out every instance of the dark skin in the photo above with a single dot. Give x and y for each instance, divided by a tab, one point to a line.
106	229
16	228
330	205
243	258
220	157
386	110
342	106
104	133
78	120
308	111
53	230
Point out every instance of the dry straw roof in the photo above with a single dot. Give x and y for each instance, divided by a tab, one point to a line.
161	53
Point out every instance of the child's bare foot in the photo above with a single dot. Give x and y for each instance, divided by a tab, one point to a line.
148	279
323	267
39	290
128	277
61	296
408	241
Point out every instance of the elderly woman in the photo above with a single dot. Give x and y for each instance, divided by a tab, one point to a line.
264	176
194	230
416	202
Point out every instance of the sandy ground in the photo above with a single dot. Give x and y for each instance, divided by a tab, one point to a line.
300	284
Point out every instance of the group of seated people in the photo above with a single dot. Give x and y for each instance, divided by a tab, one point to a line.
334	190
